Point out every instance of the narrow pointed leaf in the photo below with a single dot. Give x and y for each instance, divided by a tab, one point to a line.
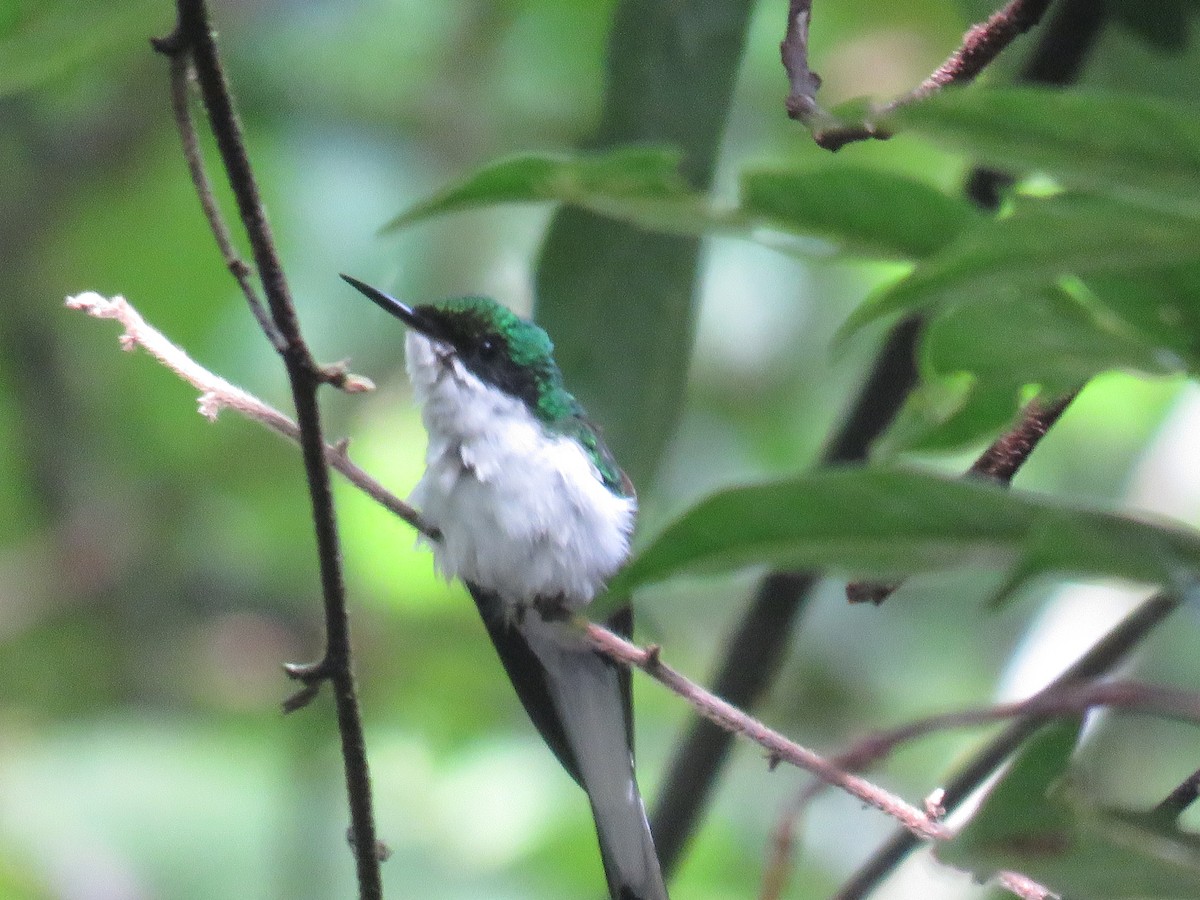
1125	144
891	523
640	182
1042	241
864	211
1034	821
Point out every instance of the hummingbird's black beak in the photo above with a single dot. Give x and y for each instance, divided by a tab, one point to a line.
402	311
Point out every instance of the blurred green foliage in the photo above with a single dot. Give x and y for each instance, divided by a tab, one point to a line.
156	570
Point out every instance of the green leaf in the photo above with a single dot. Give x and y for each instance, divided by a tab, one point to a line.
1046	337
47	39
1034	823
891	523
640	184
977	356
1042	241
865	211
1161	306
1016	807
1133	146
949	414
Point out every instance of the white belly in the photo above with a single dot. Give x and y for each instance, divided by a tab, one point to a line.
522	512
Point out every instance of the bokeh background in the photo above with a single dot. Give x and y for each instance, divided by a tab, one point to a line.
156	570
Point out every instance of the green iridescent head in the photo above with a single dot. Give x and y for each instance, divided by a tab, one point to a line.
495	344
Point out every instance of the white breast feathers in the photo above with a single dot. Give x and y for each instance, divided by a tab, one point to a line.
522	511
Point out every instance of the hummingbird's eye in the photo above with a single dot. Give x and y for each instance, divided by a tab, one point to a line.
487	347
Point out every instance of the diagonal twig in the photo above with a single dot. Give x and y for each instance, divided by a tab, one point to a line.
216	394
1172	806
780	748
1101	658
754	654
1000	462
1004	458
1052	703
981	45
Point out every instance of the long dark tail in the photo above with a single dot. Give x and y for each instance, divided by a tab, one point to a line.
580	703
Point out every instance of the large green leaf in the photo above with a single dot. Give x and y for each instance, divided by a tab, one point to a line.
1046	337
1042	241
1161	306
865	211
894	523
1016	805
638	184
1136	146
1031	822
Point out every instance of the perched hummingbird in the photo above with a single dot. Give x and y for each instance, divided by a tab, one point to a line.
534	516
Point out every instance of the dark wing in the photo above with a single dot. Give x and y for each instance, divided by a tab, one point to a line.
526	673
528	676
578	692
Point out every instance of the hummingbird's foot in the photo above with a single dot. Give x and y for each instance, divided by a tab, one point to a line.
552	608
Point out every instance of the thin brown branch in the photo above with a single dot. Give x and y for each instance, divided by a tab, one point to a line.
1004	458
1058	702
1100	659
754	654
217	394
1173	805
194	40
981	45
1000	462
777	746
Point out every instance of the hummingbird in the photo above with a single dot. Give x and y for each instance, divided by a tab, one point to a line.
533	515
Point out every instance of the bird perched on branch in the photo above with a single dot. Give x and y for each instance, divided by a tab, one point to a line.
533	515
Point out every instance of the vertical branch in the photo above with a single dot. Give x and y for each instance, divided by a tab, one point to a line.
193	38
